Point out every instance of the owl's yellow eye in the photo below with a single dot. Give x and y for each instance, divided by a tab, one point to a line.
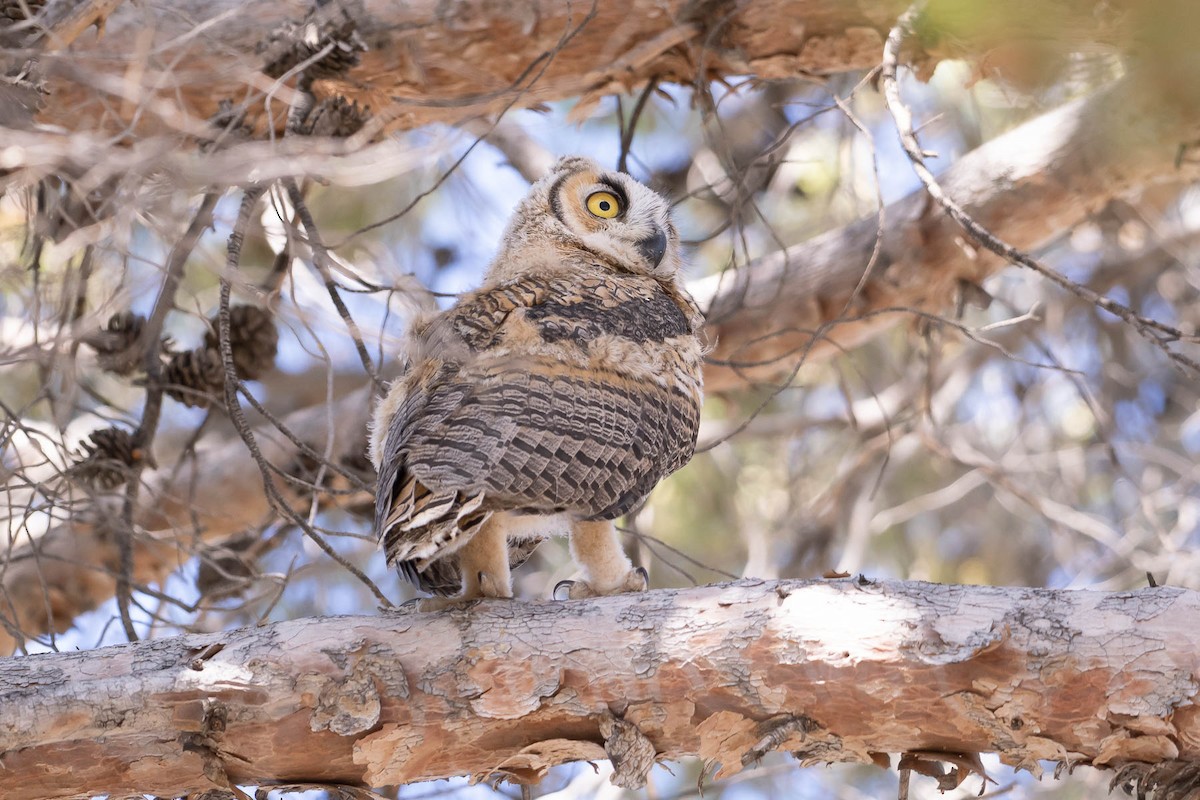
604	204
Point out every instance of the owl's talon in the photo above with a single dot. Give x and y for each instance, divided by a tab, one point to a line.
636	580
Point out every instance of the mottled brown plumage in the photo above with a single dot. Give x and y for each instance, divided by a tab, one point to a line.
551	400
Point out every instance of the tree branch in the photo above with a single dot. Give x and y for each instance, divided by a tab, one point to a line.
829	671
1028	186
1153	331
48	580
429	61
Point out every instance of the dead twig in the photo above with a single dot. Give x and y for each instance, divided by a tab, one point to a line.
234	386
322	261
627	131
143	437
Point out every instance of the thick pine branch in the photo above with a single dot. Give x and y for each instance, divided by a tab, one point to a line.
830	671
163	67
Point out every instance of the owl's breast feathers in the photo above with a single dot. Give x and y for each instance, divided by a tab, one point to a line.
543	395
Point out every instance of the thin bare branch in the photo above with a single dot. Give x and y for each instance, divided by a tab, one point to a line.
1157	333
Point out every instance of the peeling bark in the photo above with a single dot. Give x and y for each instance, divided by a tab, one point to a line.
829	671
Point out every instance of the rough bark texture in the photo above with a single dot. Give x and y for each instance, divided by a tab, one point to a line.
450	60
829	671
1028	186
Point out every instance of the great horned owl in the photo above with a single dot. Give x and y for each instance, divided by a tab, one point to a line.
551	400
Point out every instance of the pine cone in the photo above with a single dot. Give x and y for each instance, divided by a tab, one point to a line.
194	377
335	116
343	57
11	11
293	43
254	338
109	455
116	343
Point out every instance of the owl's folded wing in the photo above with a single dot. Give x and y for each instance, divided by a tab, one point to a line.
525	435
525	398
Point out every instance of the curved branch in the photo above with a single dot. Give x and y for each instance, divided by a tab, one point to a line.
1157	333
431	61
1028	186
828	670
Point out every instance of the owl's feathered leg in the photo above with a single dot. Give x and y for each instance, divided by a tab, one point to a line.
602	561
483	561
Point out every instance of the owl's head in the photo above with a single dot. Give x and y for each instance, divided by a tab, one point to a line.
579	206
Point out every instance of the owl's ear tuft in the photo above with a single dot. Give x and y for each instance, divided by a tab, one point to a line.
574	164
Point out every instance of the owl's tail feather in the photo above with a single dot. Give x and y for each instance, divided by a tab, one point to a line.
441	577
419	527
433	569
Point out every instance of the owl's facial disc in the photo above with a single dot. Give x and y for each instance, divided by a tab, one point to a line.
616	218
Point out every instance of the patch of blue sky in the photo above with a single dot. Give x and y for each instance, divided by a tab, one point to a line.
815	103
1152	397
327	588
310	328
1075	265
552	131
1035	364
469	217
147	255
1126	496
823	401
955	543
1189	433
1133	421
895	175
457	788
990	404
1076	345
1058	395
1061	577
1154	307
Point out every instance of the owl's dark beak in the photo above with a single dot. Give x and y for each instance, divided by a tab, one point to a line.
653	247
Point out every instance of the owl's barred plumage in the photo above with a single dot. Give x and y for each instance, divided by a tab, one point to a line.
553	399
